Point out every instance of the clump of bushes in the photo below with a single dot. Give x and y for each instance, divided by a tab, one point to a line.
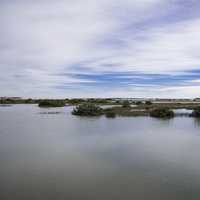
148	103
29	101
98	101
138	103
51	103
196	112
75	101
126	104
87	109
110	114
8	101
162	113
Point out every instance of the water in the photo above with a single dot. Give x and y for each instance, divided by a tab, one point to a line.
48	154
183	112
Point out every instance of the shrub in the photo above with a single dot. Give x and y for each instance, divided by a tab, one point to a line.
75	101
110	114
87	109
138	103
196	112
28	101
126	104
98	101
7	101
162	113
51	103
148	103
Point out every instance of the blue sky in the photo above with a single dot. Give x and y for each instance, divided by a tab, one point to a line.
93	48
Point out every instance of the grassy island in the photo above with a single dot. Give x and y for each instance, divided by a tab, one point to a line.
87	109
126	104
110	114
162	113
51	103
126	111
90	109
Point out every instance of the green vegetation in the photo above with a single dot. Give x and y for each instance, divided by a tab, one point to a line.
17	101
28	101
51	103
8	101
75	101
138	103
162	113
128	111
196	112
126	104
110	114
96	101
148	103
87	109
120	106
90	109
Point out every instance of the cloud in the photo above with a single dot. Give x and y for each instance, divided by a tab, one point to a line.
41	40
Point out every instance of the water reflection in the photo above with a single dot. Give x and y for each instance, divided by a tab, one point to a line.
67	157
197	122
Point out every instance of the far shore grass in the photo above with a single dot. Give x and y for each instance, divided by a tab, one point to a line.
113	108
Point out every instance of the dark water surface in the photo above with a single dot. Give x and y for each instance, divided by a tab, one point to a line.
58	156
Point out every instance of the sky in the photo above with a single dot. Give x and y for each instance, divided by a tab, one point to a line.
100	48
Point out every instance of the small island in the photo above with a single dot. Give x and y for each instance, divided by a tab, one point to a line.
51	103
136	109
87	109
90	109
162	113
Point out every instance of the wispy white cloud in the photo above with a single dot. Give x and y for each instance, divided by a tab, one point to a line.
195	81
41	39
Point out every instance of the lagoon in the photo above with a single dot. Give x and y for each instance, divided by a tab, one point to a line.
48	154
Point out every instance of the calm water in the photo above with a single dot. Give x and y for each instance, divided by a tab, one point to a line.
63	157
